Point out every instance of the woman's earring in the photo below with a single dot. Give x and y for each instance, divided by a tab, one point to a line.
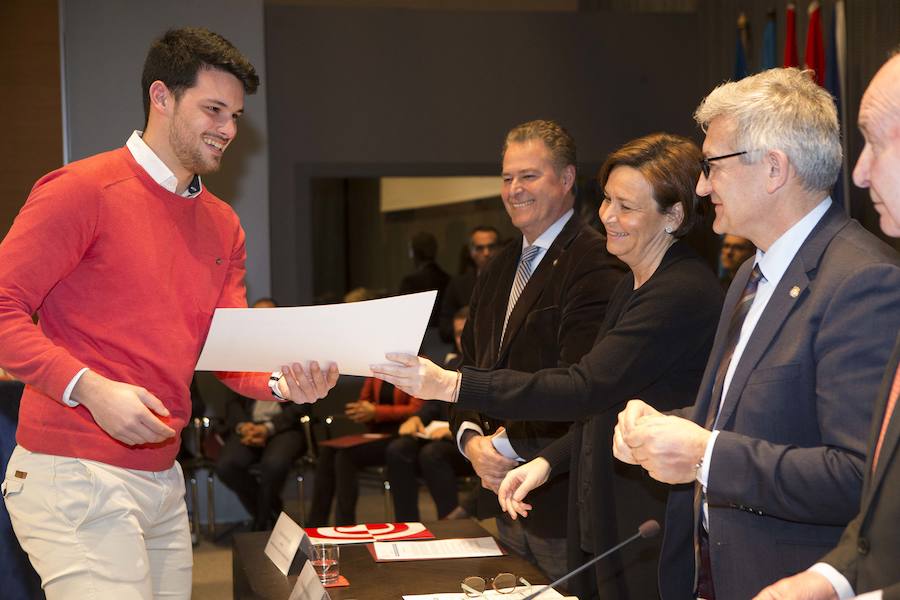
669	230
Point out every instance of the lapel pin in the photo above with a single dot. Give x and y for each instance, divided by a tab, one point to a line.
795	291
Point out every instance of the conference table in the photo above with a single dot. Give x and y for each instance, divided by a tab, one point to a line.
256	577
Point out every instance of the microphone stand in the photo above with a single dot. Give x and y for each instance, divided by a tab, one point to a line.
648	529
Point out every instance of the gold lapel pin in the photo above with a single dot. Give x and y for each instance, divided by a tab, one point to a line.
795	291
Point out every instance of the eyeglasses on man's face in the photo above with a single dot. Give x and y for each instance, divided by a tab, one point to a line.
704	162
503	583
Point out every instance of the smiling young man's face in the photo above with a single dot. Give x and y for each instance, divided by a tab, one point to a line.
204	121
535	192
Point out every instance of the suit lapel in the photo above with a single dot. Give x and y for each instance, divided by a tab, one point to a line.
536	283
506	273
790	290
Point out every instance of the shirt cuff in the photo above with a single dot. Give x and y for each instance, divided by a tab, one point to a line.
836	579
270	426
67	393
703	471
502	444
466	426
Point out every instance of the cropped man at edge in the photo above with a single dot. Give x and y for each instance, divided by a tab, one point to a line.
865	560
124	256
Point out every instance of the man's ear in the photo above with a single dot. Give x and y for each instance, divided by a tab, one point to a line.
778	168
161	98
568	177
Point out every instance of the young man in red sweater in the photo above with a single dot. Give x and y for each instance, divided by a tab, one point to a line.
124	256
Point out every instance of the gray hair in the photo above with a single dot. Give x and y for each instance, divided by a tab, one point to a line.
781	109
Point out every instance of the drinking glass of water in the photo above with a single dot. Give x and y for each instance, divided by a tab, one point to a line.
326	561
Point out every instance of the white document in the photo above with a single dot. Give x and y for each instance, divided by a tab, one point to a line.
454	548
354	335
308	586
284	541
431	428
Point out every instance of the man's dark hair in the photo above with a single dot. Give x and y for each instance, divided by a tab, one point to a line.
177	57
424	247
487	229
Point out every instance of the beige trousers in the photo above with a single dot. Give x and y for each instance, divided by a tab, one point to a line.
95	531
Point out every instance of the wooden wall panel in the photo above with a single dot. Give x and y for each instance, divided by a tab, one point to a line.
29	100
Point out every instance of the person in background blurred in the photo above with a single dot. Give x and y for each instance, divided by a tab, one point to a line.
735	250
483	244
428	274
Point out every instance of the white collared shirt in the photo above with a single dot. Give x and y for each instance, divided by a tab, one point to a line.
157	169
544	241
772	265
147	159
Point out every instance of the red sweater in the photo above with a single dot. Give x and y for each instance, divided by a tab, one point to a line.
124	276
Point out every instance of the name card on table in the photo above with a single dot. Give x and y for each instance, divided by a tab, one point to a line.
282	546
308	586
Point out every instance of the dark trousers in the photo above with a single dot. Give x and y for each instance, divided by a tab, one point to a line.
337	475
437	461
261	498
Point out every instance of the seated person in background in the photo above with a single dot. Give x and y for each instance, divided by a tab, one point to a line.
735	250
265	433
381	407
437	458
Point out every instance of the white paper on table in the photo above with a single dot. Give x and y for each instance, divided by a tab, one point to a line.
308	586
431	428
284	541
354	335
432	549
549	594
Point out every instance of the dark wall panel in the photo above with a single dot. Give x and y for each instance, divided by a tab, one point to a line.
361	93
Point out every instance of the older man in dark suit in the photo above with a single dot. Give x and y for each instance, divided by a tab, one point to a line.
868	555
773	451
538	304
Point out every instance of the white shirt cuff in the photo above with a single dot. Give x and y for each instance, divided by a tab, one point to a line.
838	582
466	426
703	471
67	393
703	476
502	444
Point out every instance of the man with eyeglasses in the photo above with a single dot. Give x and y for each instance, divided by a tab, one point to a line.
771	456
483	244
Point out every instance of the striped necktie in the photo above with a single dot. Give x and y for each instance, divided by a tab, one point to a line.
734	334
712	414
523	273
